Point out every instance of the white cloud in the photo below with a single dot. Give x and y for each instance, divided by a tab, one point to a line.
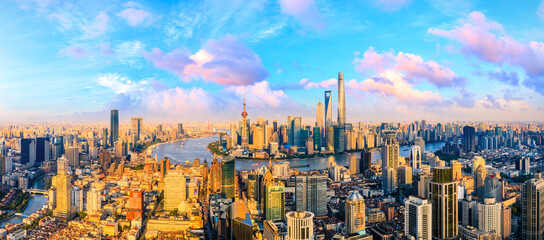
120	84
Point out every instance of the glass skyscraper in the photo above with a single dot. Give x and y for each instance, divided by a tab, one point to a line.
228	174
114	126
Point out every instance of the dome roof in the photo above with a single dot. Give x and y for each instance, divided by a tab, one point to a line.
355	196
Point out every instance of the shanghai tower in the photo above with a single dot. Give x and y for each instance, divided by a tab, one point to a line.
341	101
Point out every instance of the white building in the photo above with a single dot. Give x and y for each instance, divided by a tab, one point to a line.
417	218
300	225
489	216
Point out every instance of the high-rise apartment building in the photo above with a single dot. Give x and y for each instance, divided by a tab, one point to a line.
341	100
300	225
355	213
417	218
174	189
532	208
94	202
228	177
114	126
311	194
136	124
443	195
62	182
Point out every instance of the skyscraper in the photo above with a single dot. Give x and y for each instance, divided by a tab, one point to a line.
341	100
390	151
469	139
136	127
532	208
311	194
415	157
489	216
72	154
300	225
366	161
443	195
62	183
114	126
181	131
228	177
274	197
215	176
355	212
421	143
417	218
319	122
28	151
94	202
328	109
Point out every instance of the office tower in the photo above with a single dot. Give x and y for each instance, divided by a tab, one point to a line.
296	127
443	195
469	212
105	138
43	150
258	137
479	174
493	187
405	175
328	110
523	165
228	177
274	198
2	166
489	216
417	218
114	126
319	120
469	139
339	139
390	151
506	222
28	151
389	180
62	183
341	100
353	165
215	176
421	143
72	154
135	204
94	202
274	230
366	161
174	190
300	225
136	124
355	213
456	170
532	208
415	157
330	139
311	194
317	138
180	129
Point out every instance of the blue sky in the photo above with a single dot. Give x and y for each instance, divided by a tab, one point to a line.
191	61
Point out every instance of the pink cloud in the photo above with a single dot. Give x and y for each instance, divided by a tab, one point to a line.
391	84
226	61
306	11
97	27
174	61
74	51
307	84
136	17
486	40
412	65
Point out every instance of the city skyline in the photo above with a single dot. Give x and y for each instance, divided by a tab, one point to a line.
402	60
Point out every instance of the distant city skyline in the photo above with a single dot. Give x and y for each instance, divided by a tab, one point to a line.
193	61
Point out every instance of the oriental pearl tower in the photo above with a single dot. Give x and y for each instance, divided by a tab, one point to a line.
244	126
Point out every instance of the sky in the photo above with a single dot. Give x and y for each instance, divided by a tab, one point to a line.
194	61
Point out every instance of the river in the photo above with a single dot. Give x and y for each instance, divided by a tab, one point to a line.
36	202
196	148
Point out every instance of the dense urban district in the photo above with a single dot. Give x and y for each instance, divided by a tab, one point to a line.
102	182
